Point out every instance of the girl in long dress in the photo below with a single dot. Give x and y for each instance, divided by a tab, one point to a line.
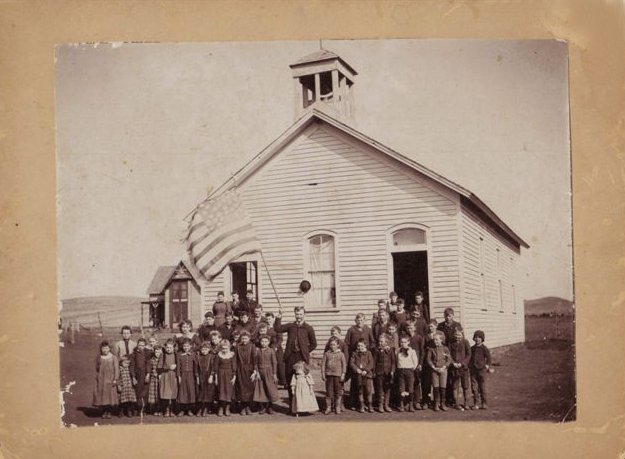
107	374
186	327
266	375
168	382
187	373
125	387
206	386
152	379
225	367
245	353
302	387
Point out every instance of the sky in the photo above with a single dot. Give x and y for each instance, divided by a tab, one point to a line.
145	130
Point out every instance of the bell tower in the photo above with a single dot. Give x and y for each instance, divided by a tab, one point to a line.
323	80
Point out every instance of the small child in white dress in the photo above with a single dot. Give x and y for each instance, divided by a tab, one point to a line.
302	387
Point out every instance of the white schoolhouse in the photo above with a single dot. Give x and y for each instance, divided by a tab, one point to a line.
357	220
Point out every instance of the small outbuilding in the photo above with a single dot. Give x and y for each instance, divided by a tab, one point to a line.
174	295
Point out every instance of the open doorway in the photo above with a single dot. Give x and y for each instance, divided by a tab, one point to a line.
410	275
244	278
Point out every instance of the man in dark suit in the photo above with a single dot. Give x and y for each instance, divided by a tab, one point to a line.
300	342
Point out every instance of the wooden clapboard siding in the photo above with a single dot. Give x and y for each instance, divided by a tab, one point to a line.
484	305
195	302
323	181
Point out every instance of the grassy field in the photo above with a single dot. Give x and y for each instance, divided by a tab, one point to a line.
533	381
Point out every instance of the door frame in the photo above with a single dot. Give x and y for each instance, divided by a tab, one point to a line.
171	300
390	249
228	276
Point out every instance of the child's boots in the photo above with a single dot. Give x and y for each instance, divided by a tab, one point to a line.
437	399
338	404
387	397
227	409
370	403
442	399
409	400
328	409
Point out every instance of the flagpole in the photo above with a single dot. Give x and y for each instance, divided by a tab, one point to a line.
262	256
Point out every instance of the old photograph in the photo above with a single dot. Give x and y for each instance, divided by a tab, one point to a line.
314	231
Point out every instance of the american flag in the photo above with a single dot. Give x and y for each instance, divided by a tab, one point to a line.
219	232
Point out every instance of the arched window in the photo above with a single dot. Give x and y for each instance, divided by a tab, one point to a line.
320	266
408	237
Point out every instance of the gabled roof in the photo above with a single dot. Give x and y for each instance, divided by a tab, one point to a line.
315	114
164	274
320	56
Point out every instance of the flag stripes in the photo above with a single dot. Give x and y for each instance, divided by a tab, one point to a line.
219	232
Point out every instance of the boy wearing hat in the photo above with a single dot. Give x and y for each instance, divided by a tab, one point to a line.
479	366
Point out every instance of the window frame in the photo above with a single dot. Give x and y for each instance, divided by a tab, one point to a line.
306	269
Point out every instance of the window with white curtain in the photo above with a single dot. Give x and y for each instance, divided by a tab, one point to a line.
321	272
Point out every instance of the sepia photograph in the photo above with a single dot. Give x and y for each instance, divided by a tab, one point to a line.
314	231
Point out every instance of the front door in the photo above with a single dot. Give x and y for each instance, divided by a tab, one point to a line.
244	278
410	275
178	302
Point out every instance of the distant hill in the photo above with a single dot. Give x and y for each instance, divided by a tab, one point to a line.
113	311
549	305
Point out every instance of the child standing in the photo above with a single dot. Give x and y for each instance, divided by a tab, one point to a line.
416	343
479	366
227	328
333	370
152	378
152	343
186	332
361	365
245	354
206	384
107	374
426	373
459	371
392	336
399	316
407	362
384	370
207	327
168	383
126	345
381	326
125	387
220	309
302	388
139	370
438	359
354	334
276	345
382	306
225	369
265	390
335	332
187	373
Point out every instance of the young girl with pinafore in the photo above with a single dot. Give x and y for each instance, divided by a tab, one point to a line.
107	374
168	381
225	369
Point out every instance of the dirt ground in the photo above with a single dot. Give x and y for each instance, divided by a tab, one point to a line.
533	381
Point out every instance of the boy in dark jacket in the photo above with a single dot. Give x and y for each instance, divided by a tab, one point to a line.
459	370
479	366
333	370
361	365
384	372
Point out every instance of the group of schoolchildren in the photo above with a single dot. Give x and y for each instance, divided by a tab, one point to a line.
406	362
236	356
